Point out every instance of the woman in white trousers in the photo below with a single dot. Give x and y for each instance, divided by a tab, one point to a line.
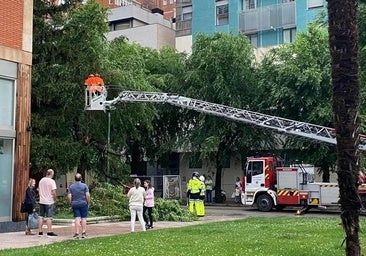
136	197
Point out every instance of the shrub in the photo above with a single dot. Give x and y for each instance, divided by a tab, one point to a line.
170	210
111	200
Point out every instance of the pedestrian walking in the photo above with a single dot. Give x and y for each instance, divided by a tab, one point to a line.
79	198
149	204
47	199
136	197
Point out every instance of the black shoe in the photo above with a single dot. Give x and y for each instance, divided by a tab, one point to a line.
84	235
51	234
40	233
76	236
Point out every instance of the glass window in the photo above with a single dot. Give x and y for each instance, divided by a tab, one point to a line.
249	4
315	3
289	35
253	168
187	13
253	38
195	161
222	12
7	110
226	162
6	178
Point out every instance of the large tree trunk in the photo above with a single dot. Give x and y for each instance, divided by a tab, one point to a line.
343	42
218	195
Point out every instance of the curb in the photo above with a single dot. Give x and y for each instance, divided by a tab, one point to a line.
90	220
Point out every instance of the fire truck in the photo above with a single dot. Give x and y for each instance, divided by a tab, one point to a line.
267	183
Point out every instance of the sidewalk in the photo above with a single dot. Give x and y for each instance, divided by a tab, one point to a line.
65	230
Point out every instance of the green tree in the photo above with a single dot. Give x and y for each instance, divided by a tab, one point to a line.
297	78
343	44
167	70
221	70
68	44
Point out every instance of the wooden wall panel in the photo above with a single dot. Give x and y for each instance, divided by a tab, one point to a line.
22	142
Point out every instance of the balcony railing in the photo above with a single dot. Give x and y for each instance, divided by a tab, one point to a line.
179	3
184	25
268	17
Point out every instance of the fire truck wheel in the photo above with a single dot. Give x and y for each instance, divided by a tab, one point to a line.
264	203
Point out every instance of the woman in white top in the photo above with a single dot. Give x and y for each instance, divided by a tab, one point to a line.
136	196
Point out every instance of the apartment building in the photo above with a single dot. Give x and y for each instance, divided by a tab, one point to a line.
15	124
183	26
166	6
148	28
267	23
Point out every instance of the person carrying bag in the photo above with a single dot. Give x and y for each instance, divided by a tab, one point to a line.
29	207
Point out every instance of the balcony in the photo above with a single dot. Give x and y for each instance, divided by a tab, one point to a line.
268	17
183	28
180	3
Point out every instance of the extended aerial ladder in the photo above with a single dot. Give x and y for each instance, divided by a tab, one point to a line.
280	125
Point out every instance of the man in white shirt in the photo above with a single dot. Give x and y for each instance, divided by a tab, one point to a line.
47	198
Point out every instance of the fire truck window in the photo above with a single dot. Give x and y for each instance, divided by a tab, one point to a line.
254	168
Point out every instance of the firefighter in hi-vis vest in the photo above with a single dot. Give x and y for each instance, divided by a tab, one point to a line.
194	188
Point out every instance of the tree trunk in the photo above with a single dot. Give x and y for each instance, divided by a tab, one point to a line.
218	196
343	43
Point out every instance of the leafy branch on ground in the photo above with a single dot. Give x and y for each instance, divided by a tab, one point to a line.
111	200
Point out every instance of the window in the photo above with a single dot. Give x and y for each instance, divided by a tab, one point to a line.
226	162
253	38
165	2
289	35
187	13
287	1
195	161
7	103
121	25
253	169
171	1
222	12
315	3
249	4
6	177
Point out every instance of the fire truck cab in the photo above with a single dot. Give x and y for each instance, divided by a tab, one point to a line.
268	184
260	182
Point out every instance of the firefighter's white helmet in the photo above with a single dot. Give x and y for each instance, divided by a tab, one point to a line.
202	178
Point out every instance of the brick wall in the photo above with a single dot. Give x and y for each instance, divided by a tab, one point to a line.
11	24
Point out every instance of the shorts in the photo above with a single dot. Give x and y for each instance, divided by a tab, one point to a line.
80	211
46	211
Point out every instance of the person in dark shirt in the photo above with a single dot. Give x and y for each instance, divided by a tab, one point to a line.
30	202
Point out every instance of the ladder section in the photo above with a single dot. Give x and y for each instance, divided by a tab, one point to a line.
281	125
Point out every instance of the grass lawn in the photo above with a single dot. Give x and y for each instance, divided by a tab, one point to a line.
251	236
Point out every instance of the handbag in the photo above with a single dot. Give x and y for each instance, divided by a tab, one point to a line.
33	220
23	207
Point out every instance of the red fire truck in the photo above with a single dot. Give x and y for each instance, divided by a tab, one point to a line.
269	185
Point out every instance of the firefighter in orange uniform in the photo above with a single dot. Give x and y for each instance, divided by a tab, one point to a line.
94	84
